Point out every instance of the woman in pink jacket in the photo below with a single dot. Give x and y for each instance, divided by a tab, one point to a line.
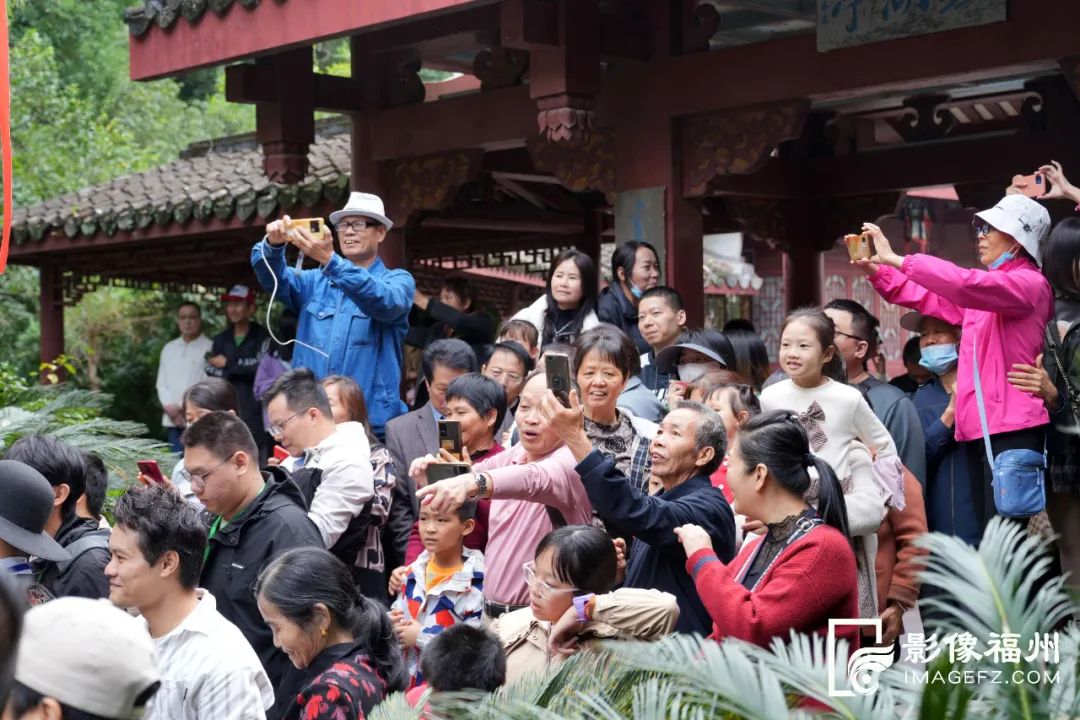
1003	313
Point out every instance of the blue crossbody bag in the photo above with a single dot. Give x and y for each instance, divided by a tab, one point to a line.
1019	475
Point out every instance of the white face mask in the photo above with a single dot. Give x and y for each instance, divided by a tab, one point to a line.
692	372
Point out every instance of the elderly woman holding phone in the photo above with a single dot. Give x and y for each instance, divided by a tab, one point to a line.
1003	314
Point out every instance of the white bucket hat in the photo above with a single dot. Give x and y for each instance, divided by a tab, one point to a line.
88	654
364	204
1023	218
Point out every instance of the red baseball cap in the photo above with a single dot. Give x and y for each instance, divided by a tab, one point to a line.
239	293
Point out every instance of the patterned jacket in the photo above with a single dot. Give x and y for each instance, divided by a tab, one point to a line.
344	684
458	600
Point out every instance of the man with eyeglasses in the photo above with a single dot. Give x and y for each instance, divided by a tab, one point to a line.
182	364
257	516
508	365
331	463
353	310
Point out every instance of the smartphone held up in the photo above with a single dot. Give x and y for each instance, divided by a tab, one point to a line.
150	470
557	370
315	227
859	247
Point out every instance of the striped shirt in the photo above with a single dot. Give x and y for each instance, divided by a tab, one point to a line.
208	671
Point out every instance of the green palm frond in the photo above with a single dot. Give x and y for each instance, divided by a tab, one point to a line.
687	678
726	675
801	664
76	417
991	589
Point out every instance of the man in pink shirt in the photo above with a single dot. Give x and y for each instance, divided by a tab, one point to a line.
533	488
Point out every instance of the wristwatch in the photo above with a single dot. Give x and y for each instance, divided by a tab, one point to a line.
481	484
581	604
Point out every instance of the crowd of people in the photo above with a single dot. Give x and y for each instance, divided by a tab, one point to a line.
332	534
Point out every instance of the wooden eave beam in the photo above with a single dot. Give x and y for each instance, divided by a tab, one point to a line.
485	120
248	83
554	226
1033	38
286	24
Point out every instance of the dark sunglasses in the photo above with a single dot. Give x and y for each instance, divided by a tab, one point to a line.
981	227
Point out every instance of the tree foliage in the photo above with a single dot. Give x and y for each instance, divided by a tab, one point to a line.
78	120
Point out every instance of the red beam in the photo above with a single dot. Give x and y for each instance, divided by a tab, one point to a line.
271	26
489	119
1035	36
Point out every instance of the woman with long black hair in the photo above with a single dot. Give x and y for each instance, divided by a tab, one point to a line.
568	306
802	571
341	640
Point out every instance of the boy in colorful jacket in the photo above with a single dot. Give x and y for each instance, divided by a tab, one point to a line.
443	587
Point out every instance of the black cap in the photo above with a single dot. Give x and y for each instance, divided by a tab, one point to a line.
26	501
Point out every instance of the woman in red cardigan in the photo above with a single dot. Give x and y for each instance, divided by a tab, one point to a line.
802	571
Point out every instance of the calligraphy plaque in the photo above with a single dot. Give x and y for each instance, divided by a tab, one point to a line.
844	23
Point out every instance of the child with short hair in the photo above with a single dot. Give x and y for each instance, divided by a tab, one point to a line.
523	332
443	587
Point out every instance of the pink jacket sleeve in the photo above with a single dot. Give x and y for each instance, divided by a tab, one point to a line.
897	288
1012	292
552	481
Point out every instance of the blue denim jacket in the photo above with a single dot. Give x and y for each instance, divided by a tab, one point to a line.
357	316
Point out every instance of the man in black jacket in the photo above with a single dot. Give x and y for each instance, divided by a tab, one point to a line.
687	449
235	356
83	574
258	517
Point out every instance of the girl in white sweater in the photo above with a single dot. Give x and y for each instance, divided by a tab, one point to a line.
841	427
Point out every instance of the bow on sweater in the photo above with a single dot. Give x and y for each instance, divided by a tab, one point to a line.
811	421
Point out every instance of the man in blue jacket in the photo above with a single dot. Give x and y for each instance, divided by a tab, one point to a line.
688	447
353	310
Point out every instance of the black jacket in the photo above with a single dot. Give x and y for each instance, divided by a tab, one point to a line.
85	575
657	558
442	321
241	364
613	307
275	521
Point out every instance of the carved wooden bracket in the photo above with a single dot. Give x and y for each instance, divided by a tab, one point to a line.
926	118
736	142
565	118
500	67
582	163
403	85
429	182
700	21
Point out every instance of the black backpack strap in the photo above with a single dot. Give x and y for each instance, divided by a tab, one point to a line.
88	542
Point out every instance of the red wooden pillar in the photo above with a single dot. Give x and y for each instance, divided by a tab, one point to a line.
648	154
368	176
804	269
52	313
590	240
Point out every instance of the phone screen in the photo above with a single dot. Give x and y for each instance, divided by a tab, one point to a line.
450	436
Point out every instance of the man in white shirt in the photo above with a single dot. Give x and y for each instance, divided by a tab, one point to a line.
182	364
331	464
208	668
